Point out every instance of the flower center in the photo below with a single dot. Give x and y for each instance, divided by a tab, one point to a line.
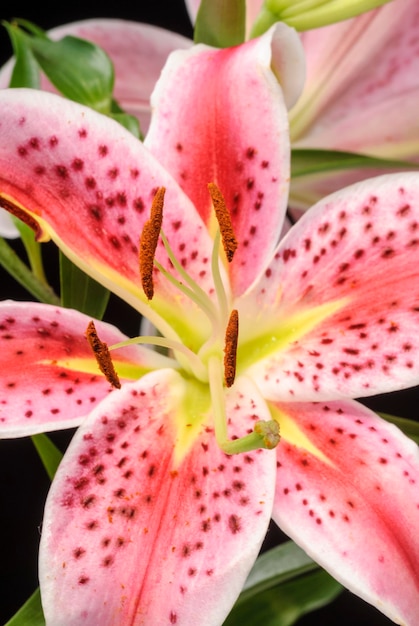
214	363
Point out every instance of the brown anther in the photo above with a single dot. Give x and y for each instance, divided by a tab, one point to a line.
230	350
103	357
224	221
148	242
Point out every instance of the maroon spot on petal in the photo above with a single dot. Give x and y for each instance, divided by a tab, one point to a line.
78	552
92	525
234	524
103	150
173	617
88	501
387	253
90	182
77	164
83	580
250	153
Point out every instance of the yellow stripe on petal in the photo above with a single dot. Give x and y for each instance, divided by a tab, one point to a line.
278	337
290	432
38	225
125	370
193	410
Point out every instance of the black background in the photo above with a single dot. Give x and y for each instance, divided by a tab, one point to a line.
23	482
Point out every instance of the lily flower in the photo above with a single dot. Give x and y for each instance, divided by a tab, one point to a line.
162	500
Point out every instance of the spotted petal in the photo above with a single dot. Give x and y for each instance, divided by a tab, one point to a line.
138	52
144	500
80	178
228	124
347	493
49	378
340	299
361	73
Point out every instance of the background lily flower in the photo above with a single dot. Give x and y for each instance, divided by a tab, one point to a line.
145	480
360	95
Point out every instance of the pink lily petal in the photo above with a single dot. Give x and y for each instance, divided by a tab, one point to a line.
347	494
361	73
252	9
228	125
138	51
340	299
124	519
83	180
49	378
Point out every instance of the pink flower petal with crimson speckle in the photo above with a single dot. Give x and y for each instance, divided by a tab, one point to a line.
347	492
212	134
127	518
341	297
138	52
49	378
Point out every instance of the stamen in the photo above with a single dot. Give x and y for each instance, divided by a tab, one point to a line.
148	242
224	220
103	357
230	350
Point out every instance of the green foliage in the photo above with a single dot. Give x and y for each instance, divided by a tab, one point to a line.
283	585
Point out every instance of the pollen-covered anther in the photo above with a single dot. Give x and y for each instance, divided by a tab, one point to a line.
148	242
103	357
224	221
269	432
230	349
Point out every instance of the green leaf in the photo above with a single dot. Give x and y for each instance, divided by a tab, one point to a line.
30	614
48	452
312	161
283	585
23	275
79	291
220	23
285	604
25	71
409	427
79	69
33	248
278	565
129	122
